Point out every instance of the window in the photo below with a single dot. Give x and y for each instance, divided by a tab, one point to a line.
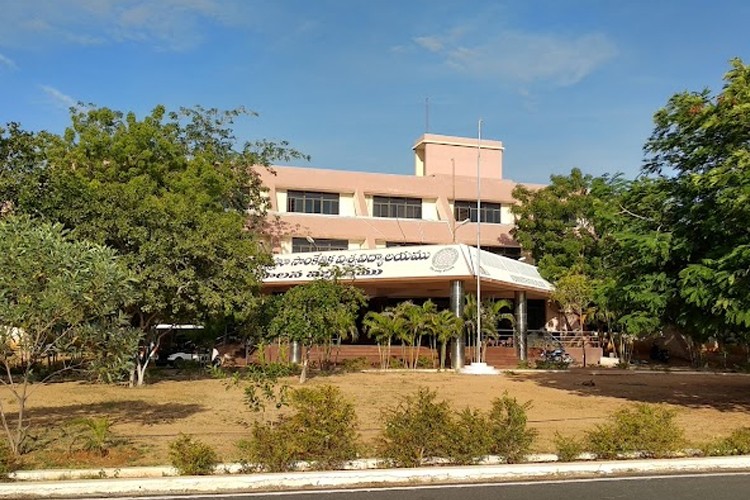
393	244
312	202
510	252
402	208
318	245
463	210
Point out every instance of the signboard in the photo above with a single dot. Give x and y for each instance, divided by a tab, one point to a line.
387	263
404	263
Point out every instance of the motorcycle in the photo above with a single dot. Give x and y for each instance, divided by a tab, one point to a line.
557	356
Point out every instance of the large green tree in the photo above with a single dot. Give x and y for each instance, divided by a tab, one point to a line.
700	150
314	313
174	194
59	304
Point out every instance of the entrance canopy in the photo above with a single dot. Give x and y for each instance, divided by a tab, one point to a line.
413	271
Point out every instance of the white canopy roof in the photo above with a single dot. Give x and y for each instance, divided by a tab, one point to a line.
407	267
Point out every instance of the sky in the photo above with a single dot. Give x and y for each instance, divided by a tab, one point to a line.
354	83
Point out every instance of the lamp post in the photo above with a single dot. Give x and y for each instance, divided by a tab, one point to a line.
455	228
311	241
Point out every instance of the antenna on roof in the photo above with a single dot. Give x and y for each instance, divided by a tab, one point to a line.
426	115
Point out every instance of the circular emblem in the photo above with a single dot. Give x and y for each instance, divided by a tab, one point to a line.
444	259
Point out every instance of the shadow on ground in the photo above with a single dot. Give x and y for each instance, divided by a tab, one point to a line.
130	411
724	392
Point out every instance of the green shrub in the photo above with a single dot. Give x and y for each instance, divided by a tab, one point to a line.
8	461
272	370
415	430
355	364
737	443
192	457
511	438
96	434
548	364
647	429
468	439
322	430
324	425
271	448
568	448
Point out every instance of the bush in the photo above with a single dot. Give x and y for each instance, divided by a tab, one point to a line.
8	461
96	434
647	429
415	430
737	443
568	448
355	364
321	430
468	439
270	449
507	427
192	458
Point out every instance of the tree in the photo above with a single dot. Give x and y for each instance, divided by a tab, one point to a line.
313	313
383	327
700	151
59	302
174	194
445	326
557	223
492	314
574	293
22	167
417	320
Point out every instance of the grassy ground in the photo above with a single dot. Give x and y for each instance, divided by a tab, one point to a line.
709	405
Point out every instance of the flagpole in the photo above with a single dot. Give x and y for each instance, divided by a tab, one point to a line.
478	347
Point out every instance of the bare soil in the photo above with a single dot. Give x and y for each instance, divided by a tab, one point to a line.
709	406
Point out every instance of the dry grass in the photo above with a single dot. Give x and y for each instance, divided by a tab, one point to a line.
708	405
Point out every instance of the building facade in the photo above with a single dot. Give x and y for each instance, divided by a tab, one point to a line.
318	210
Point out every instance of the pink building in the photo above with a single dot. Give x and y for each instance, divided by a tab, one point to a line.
318	210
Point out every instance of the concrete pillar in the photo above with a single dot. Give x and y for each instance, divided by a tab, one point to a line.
296	354
457	306
522	328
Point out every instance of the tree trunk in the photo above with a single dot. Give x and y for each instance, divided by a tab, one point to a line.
442	354
305	363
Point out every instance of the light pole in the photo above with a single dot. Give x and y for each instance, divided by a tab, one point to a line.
311	241
455	227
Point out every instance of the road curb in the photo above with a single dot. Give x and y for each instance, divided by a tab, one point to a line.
348	478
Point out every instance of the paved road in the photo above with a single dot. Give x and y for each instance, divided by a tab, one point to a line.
732	486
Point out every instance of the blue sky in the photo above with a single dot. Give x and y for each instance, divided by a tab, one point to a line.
563	83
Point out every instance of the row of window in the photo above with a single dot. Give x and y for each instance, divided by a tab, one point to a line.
327	244
313	202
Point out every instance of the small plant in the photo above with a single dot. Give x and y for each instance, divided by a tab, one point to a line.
355	365
8	461
511	438
568	448
647	429
468	439
97	435
415	430
737	443
322	430
192	457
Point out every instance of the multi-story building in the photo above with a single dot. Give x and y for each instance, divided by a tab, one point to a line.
356	216
344	210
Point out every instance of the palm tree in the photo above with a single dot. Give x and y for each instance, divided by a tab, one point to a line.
445	327
417	321
383	326
492	314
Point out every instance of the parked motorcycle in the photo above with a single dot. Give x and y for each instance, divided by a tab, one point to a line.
557	356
